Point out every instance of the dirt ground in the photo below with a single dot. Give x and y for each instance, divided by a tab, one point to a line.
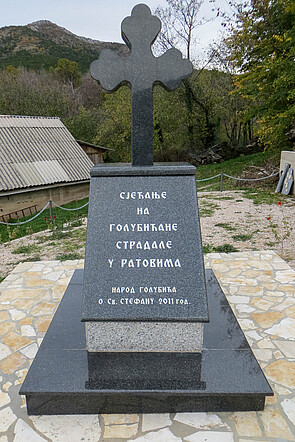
246	226
229	222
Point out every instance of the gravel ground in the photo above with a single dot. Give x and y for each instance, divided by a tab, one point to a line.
239	222
228	220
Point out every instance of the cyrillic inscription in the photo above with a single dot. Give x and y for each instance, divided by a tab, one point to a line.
150	247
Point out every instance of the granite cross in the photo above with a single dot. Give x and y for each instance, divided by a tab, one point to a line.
141	70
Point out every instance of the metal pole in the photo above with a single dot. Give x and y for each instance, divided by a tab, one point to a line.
50	211
221	182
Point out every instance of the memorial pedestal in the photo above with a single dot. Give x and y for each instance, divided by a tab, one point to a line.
144	282
159	355
64	379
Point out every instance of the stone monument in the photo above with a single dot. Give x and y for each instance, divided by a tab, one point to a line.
144	342
155	296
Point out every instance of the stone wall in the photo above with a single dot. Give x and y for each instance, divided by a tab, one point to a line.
60	194
288	157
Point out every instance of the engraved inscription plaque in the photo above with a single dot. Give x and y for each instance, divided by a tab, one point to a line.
144	258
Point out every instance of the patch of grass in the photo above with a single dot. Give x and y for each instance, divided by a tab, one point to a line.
32	258
69	256
80	234
207	248
271	244
76	223
14	263
60	235
39	224
226	226
208	188
70	247
274	226
206	212
26	249
43	239
2	278
207	209
223	198
260	196
224	248
234	167
243	236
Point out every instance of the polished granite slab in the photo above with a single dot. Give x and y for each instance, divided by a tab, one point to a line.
65	379
135	250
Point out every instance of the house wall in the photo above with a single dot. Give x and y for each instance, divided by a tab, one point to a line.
60	194
96	158
95	155
288	157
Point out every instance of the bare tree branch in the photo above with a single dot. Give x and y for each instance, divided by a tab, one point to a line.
179	20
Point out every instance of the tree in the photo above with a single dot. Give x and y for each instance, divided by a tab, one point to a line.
25	92
262	49
179	20
84	125
68	71
170	126
114	131
90	92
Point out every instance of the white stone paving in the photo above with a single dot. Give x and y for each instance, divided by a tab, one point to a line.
260	287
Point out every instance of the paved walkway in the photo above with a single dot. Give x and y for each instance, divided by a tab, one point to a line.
260	287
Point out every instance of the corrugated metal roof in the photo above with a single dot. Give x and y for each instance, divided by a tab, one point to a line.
37	150
24	121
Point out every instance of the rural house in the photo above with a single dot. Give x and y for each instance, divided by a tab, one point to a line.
95	153
39	160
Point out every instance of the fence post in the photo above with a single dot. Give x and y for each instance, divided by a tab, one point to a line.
50	211
221	182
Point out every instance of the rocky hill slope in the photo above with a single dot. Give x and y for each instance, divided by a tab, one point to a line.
40	44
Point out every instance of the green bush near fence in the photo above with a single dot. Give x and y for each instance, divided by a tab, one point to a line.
62	220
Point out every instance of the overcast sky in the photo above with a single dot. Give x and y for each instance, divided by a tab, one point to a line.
97	19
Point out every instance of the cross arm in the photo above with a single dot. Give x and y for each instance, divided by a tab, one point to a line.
109	70
172	69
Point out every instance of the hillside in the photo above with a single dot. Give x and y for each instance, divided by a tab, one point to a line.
40	44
